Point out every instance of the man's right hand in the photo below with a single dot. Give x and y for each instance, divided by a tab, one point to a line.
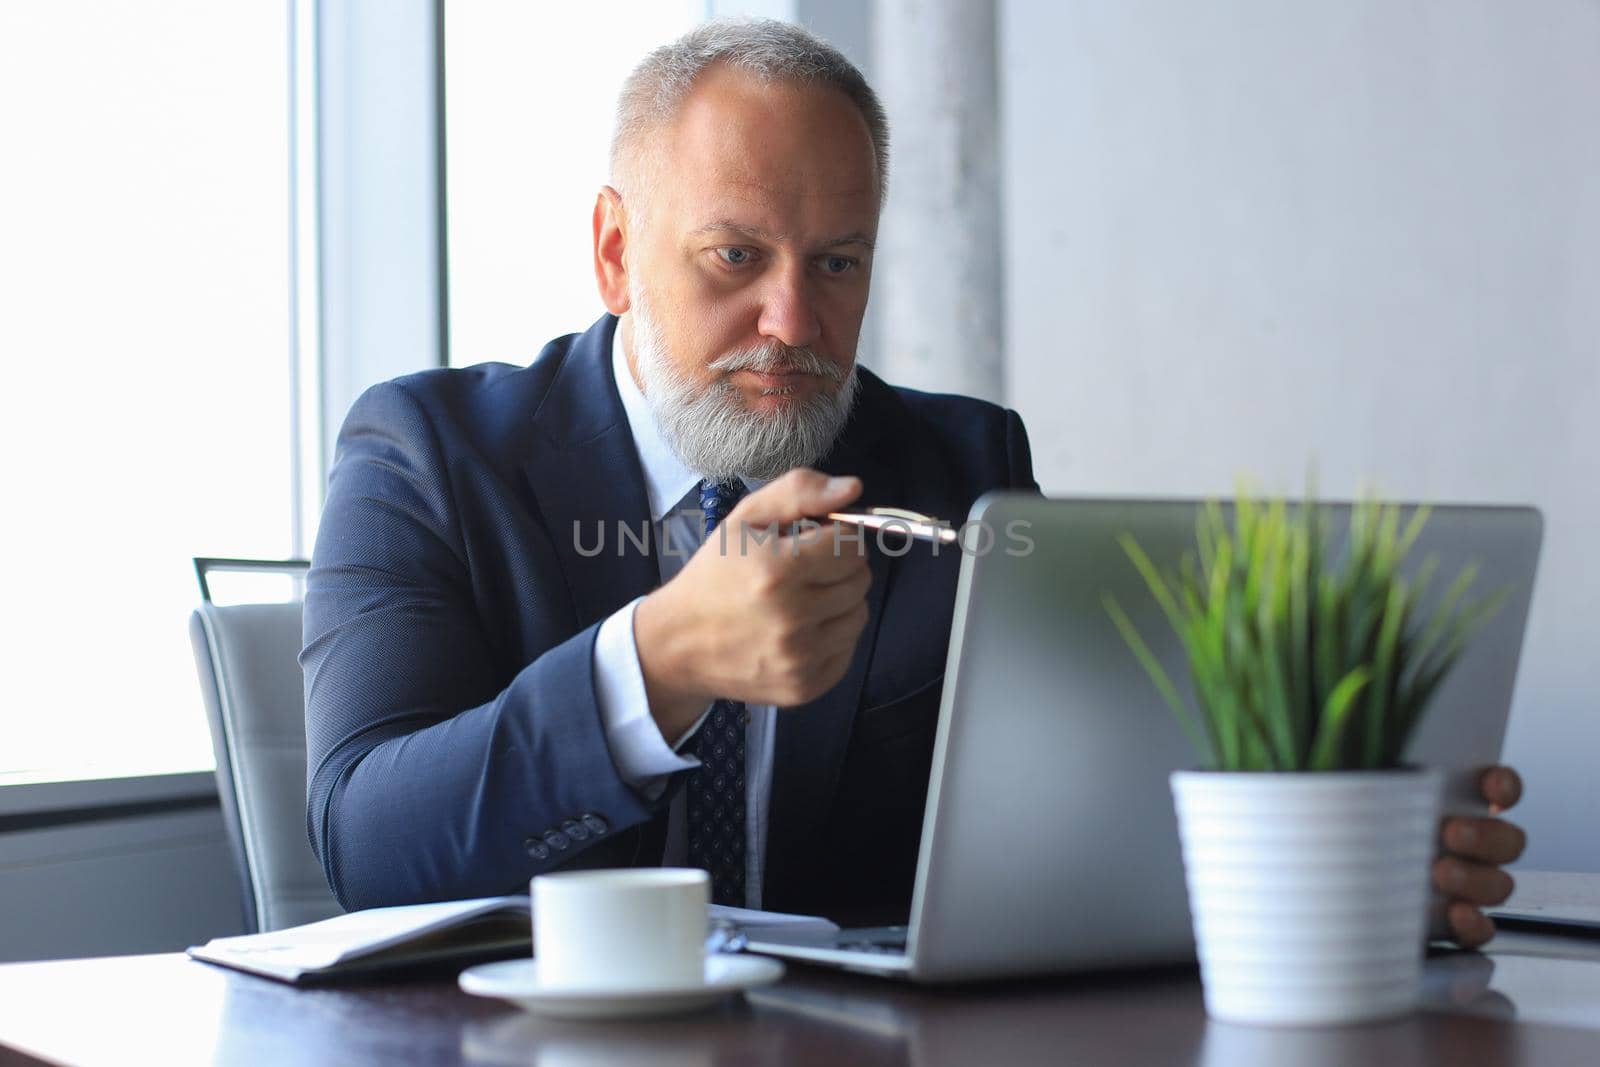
762	621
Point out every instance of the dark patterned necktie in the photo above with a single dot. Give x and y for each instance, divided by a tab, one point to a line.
716	787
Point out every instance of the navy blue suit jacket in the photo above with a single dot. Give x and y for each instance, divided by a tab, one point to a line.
454	743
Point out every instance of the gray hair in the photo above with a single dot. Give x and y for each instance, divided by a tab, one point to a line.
769	49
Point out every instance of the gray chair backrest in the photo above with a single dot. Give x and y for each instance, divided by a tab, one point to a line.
247	658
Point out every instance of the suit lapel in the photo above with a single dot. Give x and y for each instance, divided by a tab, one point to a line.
588	482
811	741
589	474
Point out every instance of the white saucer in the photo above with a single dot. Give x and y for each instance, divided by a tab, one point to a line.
518	982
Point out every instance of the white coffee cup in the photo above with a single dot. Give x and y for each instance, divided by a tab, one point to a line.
638	928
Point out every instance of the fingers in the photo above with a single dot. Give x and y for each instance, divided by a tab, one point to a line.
800	494
1471	873
1501	787
833	668
811	558
826	602
1471	926
782	612
842	629
797	564
1474	883
840	633
799	675
1493	841
817	543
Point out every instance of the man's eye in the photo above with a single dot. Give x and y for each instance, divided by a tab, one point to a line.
838	264
735	257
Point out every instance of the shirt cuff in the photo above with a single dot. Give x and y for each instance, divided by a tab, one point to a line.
642	755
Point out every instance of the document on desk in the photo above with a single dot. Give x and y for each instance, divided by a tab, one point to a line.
755	923
378	939
1559	898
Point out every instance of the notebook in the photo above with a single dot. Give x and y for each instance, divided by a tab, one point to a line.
383	939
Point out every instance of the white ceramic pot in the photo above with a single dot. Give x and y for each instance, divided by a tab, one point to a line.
1309	891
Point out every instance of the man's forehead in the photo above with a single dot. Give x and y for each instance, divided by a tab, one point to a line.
733	177
771	155
800	203
786	211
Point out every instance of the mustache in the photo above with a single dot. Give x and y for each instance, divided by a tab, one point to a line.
774	357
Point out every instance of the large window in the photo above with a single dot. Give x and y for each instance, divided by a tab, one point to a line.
530	90
144	217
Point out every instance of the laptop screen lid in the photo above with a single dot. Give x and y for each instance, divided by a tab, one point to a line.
1049	841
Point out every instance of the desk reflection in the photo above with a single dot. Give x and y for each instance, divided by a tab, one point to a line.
1139	1018
731	1033
1463	982
844	1020
1531	1001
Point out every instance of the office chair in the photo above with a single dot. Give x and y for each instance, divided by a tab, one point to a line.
247	658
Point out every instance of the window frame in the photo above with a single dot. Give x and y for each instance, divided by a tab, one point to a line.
349	130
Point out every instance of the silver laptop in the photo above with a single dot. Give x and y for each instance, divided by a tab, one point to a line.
1049	842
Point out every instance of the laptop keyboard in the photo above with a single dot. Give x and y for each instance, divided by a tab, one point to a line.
888	940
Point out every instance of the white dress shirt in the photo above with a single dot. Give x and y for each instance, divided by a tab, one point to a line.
642	755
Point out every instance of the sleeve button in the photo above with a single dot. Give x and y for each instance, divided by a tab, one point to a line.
575	830
597	824
557	840
536	848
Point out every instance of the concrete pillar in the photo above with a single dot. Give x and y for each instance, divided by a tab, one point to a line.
937	285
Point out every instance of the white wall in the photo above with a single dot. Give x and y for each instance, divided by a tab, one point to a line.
1245	236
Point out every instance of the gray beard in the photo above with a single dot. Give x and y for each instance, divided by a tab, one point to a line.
711	430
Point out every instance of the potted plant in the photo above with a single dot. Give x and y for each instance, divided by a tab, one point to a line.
1306	842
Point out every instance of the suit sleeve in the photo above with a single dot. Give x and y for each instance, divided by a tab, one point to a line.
428	776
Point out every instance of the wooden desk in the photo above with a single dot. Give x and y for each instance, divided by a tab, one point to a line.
1535	1000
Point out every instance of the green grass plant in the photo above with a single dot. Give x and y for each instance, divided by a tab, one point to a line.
1301	662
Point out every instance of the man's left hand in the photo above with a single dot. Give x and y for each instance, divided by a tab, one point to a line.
1475	848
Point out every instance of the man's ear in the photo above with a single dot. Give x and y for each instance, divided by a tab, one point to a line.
610	242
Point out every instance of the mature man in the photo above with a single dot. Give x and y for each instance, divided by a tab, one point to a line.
500	680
